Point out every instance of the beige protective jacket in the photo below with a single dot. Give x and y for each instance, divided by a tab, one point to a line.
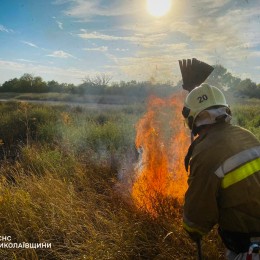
224	181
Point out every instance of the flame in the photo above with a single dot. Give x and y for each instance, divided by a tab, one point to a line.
161	179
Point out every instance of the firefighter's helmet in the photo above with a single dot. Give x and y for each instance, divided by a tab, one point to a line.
199	99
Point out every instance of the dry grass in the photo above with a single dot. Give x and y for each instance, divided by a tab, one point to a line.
82	215
62	187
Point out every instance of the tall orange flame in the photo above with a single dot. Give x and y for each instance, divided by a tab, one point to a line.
161	179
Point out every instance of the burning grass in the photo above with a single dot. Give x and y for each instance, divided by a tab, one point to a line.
161	179
62	188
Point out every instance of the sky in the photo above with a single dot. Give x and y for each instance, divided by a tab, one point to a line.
69	40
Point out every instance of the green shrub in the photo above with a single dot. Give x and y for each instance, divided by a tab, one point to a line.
24	120
248	116
40	160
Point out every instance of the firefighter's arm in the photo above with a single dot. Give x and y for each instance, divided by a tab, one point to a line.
200	207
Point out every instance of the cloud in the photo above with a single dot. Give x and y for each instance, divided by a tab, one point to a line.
4	29
210	7
10	69
30	44
83	9
106	37
60	25
121	49
142	39
60	54
102	49
60	2
88	8
11	65
25	60
215	31
224	31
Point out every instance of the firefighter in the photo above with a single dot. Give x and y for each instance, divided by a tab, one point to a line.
224	175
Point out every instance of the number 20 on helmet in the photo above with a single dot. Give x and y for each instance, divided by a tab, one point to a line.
199	99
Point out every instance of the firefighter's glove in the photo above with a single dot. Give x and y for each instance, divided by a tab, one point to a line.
194	73
194	235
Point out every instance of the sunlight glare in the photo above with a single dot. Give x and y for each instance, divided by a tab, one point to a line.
158	8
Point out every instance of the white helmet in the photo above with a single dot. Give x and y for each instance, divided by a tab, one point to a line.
200	99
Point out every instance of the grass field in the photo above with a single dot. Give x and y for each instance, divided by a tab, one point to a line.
72	98
62	183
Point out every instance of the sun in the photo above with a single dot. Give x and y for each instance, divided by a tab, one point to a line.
158	8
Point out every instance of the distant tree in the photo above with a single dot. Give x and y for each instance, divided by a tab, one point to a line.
223	79
71	88
26	82
53	86
248	88
233	83
101	79
11	85
67	88
216	76
29	83
27	78
95	85
38	85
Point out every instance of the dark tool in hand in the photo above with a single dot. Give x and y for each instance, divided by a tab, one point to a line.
194	73
198	242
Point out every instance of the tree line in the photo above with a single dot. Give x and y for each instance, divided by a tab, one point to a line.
224	80
101	85
96	85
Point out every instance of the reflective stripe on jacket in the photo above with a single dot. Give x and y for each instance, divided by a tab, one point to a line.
224	181
239	166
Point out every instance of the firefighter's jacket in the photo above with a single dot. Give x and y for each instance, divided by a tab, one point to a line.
224	181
